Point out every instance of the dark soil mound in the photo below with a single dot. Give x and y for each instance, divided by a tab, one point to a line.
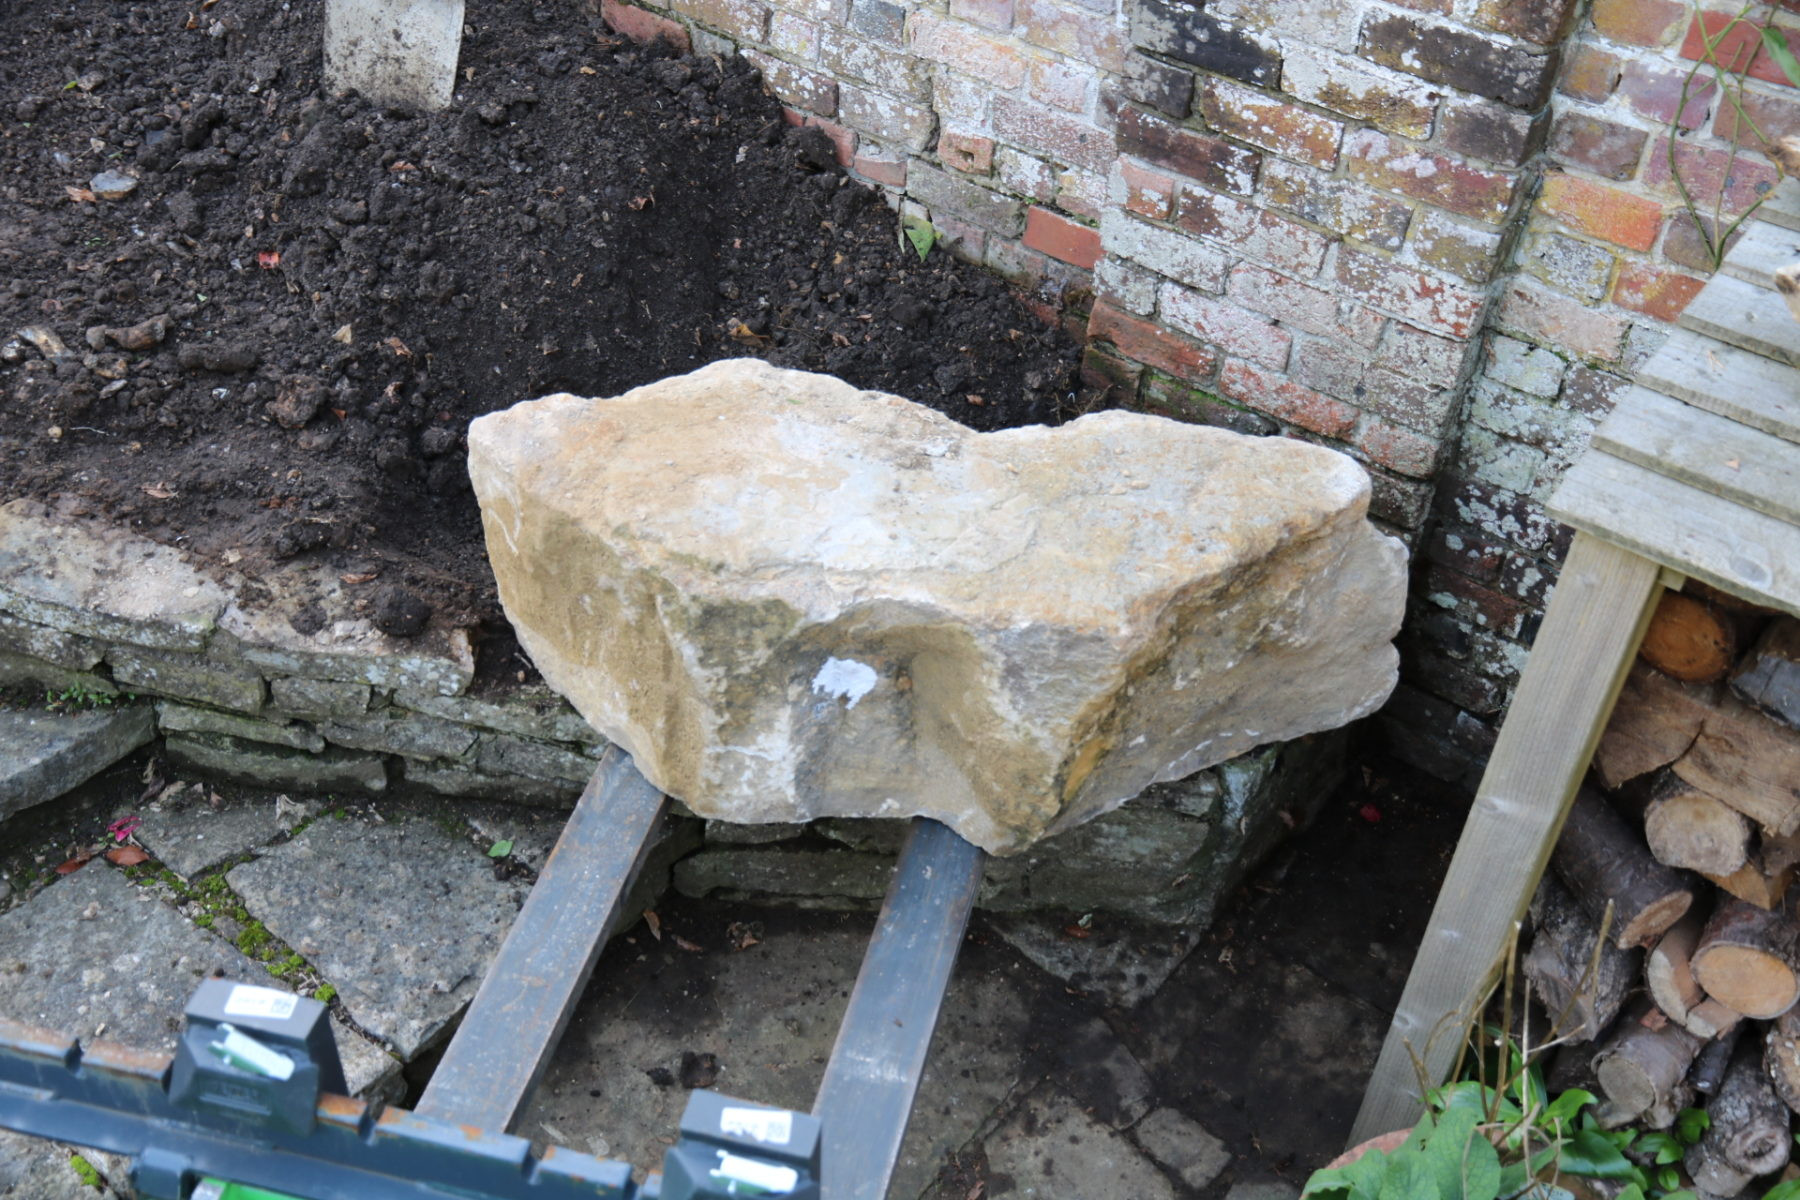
310	297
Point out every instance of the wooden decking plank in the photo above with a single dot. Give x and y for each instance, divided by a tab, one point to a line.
1593	624
1747	553
1746	387
1763	248
1745	315
1704	450
1783	208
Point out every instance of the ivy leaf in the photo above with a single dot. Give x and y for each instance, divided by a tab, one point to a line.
500	849
1785	1190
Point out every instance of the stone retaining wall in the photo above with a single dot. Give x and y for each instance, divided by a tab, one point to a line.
1433	234
240	692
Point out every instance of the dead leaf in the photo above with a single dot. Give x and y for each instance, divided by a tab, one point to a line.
838	339
977	401
358	577
397	346
1077	932
268	260
74	864
80	195
1654	1019
640	203
743	935
589	71
684	943
343	335
126	856
741	332
403	165
1733	463
158	491
654	923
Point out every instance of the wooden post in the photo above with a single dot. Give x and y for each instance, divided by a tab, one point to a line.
1590	632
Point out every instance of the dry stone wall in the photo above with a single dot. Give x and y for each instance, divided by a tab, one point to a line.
1435	234
98	615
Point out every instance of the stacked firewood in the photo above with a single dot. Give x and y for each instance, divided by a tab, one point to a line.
1684	845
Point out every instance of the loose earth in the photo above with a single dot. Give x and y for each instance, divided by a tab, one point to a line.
253	319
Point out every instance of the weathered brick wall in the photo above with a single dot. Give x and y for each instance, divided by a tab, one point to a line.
1606	258
1430	233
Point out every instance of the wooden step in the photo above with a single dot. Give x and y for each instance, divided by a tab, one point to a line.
1706	451
1762	249
1747	553
1783	205
1734	383
1745	315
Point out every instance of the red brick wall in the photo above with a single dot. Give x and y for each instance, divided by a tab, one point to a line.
1434	234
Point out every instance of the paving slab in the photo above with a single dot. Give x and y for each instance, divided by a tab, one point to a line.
188	835
1182	1145
43	755
1049	1149
402	917
1094	1068
1122	962
31	1169
94	956
768	1015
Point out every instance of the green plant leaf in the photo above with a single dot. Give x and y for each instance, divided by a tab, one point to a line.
1785	1190
1565	1106
500	849
1327	1184
1662	1147
1481	1170
1690	1123
1778	49
1590	1152
1408	1178
1444	1153
921	235
1668	1178
1630	1191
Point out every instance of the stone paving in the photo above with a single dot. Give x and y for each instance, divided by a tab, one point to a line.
1111	1062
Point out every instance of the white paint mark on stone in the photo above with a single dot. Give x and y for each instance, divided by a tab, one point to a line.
845	679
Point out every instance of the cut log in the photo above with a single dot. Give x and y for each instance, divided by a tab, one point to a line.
1654	722
1712	1175
1749	1129
1603	860
1709	1066
1769	676
1726	601
1644	1070
1754	883
1781	1057
1667	971
1689	639
1685	827
1583	994
1711	1019
1749	958
1749	761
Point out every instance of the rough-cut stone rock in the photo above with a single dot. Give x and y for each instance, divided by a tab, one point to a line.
43	755
789	599
1182	1145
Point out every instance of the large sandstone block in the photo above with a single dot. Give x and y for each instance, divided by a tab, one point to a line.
789	599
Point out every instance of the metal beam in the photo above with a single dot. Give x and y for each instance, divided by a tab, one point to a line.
867	1095
500	1053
